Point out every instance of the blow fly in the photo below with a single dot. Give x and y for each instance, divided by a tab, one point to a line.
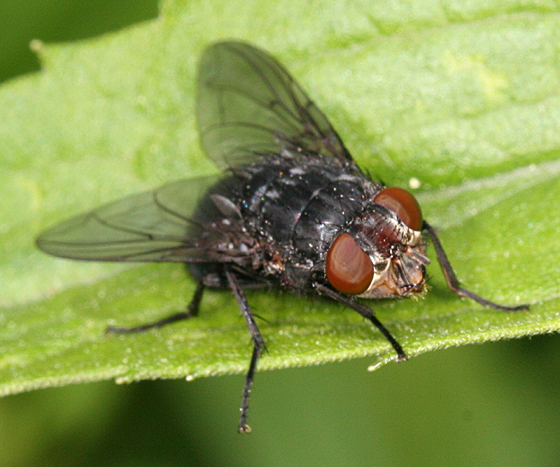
291	208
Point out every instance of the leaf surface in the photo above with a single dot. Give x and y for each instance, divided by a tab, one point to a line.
460	98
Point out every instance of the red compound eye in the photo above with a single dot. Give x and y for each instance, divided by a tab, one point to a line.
403	204
349	268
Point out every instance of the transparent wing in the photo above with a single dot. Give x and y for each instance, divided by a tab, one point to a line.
159	225
249	106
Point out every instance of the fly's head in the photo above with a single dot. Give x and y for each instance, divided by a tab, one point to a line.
382	254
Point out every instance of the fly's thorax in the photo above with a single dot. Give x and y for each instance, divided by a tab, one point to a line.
298	204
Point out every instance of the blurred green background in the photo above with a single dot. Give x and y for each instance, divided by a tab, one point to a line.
494	404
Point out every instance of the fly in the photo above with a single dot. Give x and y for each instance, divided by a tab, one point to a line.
291	208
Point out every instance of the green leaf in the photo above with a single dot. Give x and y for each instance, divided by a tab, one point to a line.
462	98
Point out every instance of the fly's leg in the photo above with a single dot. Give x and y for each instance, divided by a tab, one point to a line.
192	310
453	282
366	313
258	347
